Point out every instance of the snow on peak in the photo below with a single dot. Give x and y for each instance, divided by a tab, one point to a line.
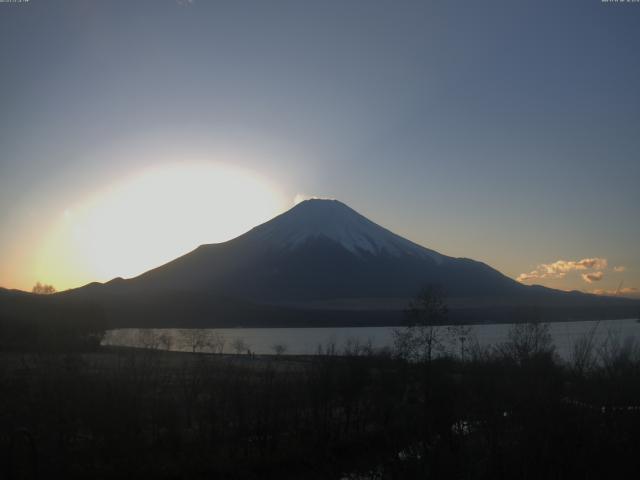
331	219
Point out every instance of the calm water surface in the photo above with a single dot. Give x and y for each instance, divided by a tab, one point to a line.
306	341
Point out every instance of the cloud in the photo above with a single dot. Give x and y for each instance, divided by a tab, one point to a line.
620	268
627	291
301	197
592	277
560	268
525	277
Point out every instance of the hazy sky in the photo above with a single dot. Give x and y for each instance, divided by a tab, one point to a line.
504	131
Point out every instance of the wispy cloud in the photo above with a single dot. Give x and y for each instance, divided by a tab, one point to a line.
627	291
301	197
592	277
526	277
560	268
619	268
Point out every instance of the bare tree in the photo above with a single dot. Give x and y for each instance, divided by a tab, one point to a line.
239	345
526	341
279	349
421	338
217	342
583	357
329	350
618	356
166	340
197	339
354	347
43	289
458	337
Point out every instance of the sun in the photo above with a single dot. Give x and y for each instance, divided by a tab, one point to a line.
153	217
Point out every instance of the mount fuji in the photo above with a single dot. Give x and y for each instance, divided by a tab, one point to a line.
319	262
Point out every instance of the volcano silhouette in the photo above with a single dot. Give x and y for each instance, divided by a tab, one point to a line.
319	256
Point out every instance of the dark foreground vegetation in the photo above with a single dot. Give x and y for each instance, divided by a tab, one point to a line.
514	411
48	323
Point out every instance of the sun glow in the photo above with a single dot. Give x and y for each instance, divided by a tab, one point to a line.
152	218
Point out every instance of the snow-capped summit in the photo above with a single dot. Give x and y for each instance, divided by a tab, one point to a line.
333	220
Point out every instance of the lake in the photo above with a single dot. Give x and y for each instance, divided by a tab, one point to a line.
306	341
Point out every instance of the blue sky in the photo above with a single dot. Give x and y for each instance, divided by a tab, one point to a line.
508	132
